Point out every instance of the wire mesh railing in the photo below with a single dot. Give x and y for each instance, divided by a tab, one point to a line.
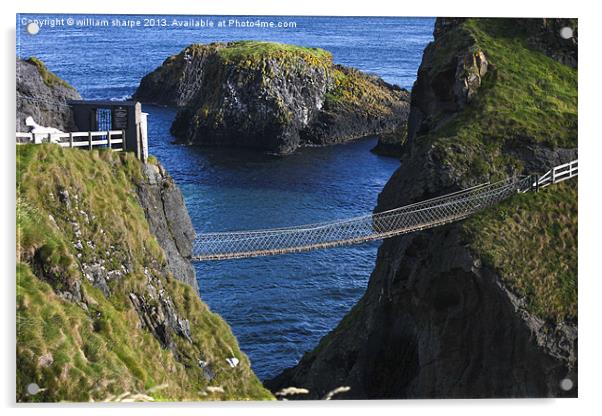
422	215
419	216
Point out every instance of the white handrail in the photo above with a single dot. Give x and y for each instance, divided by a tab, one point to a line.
108	138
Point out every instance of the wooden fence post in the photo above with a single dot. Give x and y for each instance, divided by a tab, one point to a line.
138	142
89	140
71	139
123	140
109	138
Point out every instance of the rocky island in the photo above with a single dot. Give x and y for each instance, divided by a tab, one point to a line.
271	96
486	307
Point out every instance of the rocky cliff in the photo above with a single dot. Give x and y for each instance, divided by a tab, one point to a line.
486	307
168	220
43	96
270	96
102	313
108	305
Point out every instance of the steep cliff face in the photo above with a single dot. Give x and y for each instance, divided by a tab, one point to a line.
168	220
486	307
270	96
43	96
102	311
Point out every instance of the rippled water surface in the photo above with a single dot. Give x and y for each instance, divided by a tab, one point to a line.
278	307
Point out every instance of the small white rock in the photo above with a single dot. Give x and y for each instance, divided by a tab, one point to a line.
215	389
233	361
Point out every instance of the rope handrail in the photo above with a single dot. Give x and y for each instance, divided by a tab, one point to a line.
385	224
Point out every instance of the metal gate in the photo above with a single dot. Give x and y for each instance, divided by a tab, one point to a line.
104	120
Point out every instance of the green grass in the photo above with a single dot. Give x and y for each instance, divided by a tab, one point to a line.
248	52
50	79
96	349
526	98
531	239
355	91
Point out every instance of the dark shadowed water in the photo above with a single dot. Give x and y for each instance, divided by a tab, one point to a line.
278	307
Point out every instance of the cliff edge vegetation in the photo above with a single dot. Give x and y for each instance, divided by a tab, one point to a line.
100	314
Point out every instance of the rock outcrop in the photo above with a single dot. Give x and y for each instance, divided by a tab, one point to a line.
470	309
270	96
391	144
43	96
168	220
544	36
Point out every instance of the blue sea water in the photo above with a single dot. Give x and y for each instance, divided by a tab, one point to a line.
279	307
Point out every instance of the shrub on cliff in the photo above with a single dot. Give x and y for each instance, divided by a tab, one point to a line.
520	118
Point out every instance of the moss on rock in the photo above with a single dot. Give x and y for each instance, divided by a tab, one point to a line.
49	77
525	96
531	240
248	53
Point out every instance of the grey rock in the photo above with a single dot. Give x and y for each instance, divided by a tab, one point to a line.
391	144
169	221
471	67
98	276
45	101
158	314
64	198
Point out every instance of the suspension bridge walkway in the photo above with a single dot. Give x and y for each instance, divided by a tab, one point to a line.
419	216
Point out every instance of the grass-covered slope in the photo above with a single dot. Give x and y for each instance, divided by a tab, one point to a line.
77	213
526	99
531	240
49	77
525	96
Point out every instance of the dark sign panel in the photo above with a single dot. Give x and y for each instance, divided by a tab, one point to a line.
120	118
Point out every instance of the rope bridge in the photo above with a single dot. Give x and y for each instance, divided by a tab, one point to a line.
419	216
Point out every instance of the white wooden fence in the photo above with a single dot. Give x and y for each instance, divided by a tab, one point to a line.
113	139
558	174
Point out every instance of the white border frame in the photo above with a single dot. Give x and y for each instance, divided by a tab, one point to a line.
590	150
